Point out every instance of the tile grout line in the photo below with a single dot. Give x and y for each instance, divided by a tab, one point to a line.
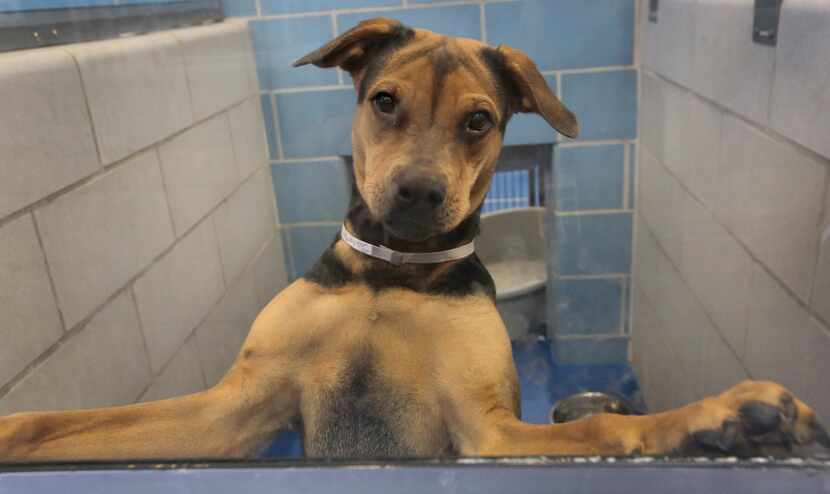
310	224
180	45
338	70
589	70
236	161
52	286
626	177
602	276
767	131
308	89
312	159
134	301
277	128
342	85
697	300
379	9
823	227
593	212
219	251
191	335
755	260
88	108
482	19
157	153
102	171
59	343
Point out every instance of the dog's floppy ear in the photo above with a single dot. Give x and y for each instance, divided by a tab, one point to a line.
534	94
352	49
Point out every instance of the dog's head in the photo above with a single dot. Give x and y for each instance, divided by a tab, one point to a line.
430	119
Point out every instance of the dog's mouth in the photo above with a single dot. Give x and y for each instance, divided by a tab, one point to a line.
410	230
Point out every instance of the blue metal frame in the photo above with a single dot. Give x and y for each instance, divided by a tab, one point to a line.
528	475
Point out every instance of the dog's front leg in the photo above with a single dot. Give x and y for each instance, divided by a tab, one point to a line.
480	394
744	419
230	420
256	399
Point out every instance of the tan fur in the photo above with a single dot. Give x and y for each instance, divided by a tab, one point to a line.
450	357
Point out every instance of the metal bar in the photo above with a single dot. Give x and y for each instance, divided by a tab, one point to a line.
765	22
36	28
530	475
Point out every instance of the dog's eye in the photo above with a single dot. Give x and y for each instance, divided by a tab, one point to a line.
479	122
384	102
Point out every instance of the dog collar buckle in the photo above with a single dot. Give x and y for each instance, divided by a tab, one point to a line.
398	258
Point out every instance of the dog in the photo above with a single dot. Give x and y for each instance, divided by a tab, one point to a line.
391	345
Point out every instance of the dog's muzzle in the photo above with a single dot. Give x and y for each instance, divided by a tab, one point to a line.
414	202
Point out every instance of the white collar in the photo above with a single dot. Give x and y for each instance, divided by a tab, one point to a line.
397	258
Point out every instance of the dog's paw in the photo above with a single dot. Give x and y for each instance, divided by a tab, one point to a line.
754	417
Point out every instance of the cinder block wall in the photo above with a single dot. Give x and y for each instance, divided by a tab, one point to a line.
732	274
585	50
138	233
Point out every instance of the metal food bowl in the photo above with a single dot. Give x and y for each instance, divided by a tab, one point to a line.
589	403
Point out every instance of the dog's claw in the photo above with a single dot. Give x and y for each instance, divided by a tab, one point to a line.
723	439
820	434
759	418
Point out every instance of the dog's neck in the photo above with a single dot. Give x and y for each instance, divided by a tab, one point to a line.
360	223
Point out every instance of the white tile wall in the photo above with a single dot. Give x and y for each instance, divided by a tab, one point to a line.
102	365
773	198
100	235
814	391
672	341
800	107
46	138
27	308
661	380
778	343
653	116
102	229
820	301
718	270
245	222
176	293
248	46
182	376
221	335
735	206
248	132
661	203
727	66
269	269
692	132
667	45
199	170
137	91
217	64
721	368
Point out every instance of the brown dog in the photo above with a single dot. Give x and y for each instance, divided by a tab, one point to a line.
374	359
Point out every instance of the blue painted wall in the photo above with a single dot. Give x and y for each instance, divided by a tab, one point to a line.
585	50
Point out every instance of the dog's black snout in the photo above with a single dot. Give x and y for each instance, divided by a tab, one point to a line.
420	192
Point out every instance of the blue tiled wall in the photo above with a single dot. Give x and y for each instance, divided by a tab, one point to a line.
589	306
297	202
585	51
593	244
589	177
606	103
565	34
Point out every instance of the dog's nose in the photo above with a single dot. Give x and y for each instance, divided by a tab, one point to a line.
420	192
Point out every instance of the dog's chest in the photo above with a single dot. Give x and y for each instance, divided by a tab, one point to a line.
372	392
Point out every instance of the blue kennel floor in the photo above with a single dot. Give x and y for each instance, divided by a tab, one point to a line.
543	382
